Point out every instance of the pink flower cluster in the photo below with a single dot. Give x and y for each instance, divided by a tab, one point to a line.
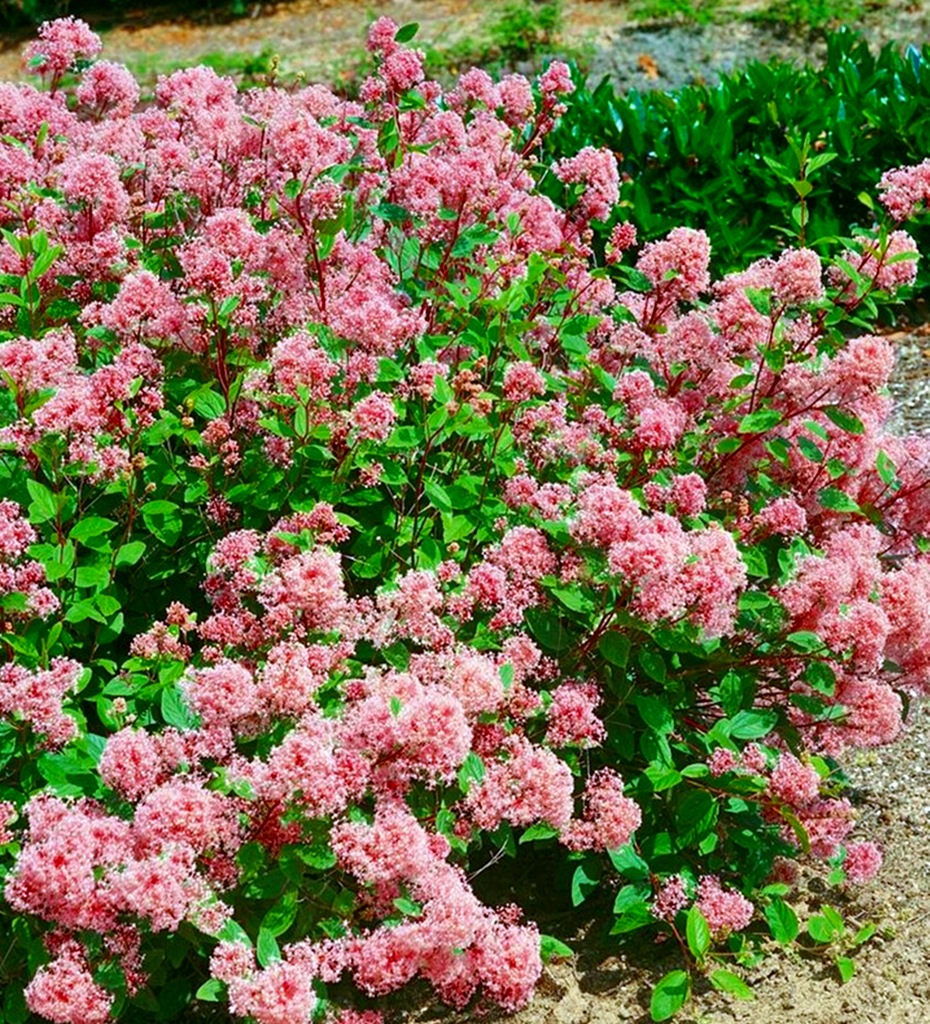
725	910
59	44
320	267
903	189
81	868
20	575
65	991
36	697
672	573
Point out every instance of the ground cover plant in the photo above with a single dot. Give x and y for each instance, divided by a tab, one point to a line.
772	154
363	521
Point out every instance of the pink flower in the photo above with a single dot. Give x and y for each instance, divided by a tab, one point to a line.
373	417
144	307
862	862
131	763
509	964
225	693
280	994
556	80
678	264
671	897
307	588
610	818
522	381
7	816
721	761
108	89
232	960
533	785
903	189
784	516
381	35
796	277
65	991
572	718
403	69
60	43
92	180
596	169
622	237
725	910
38	696
795	783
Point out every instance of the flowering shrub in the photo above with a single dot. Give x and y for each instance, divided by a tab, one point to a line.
364	522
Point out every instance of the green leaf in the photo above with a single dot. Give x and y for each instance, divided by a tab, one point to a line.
210	991
548	629
821	930
232	931
392	212
805	640
473	238
656	714
130	553
44	504
661	777
629	863
173	709
406	32
281	916
865	933
809	449
653	664
266	949
472	770
760	421
584	880
541	830
318	856
844	419
670	995
58	561
887	471
753	725
80	611
552	949
615	647
836	500
821	677
163	520
783	922
92	526
408	907
846	967
800	832
697	932
727	981
695	816
438	496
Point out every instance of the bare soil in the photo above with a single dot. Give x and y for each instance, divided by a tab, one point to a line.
320	37
606	981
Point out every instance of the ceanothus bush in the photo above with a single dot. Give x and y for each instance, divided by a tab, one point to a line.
368	512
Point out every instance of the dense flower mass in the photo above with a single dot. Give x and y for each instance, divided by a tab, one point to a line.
377	510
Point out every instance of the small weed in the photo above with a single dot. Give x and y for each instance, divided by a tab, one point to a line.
816	13
521	34
247	68
700	12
